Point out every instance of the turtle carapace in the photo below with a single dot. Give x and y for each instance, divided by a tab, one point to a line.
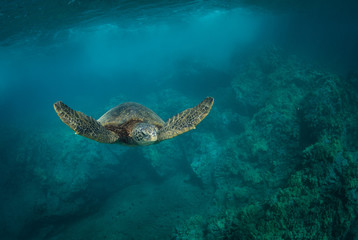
132	123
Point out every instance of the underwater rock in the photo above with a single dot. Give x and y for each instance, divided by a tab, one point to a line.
292	173
56	171
314	205
292	101
192	229
166	159
264	154
205	156
322	108
319	202
197	227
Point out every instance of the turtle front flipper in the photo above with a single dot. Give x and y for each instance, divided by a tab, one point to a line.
84	125
186	120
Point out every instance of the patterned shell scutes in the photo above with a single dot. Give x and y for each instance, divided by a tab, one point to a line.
186	120
129	111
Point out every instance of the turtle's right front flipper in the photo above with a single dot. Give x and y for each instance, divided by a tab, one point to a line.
84	125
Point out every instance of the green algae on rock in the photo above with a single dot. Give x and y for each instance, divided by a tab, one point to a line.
295	157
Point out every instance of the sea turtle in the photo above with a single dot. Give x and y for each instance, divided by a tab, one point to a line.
132	123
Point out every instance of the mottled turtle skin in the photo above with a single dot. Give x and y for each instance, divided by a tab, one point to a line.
132	123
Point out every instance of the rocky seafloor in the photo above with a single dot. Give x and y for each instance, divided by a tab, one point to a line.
277	158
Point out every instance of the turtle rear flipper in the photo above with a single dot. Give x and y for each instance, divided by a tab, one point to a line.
186	120
84	125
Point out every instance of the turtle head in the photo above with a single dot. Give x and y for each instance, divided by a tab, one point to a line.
144	134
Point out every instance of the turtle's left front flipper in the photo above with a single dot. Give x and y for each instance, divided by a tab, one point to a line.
84	125
186	120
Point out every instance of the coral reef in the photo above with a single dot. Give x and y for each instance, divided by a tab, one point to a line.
319	201
293	171
276	159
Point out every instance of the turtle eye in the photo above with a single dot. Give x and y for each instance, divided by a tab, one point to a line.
145	135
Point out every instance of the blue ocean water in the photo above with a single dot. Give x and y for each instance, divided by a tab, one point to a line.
276	158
